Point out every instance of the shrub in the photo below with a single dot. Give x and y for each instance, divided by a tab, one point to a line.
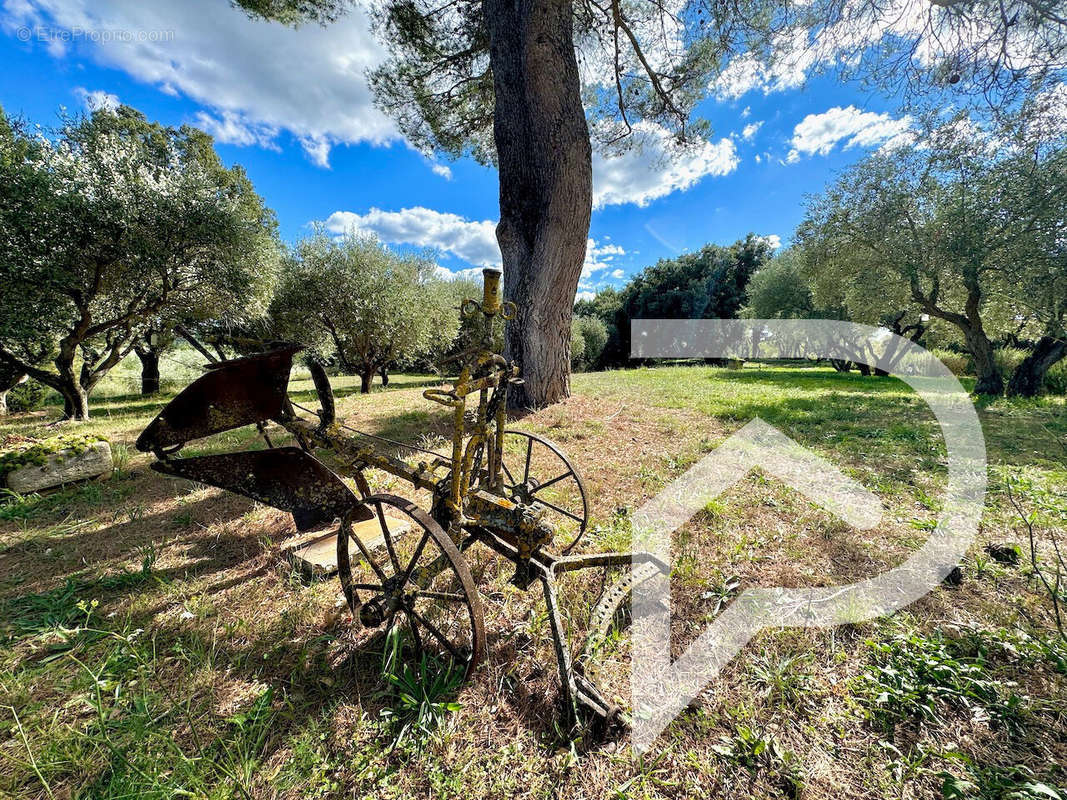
27	396
588	337
1056	378
1008	358
957	363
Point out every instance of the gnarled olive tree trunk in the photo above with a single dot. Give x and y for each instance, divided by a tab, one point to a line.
546	192
1027	378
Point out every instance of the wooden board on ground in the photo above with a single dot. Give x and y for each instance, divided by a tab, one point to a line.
316	556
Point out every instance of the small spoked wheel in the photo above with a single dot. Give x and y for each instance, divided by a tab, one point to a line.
537	471
401	569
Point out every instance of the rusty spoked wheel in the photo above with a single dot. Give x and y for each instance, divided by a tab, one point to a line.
537	471
404	570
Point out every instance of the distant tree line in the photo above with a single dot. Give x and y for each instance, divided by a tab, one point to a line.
710	283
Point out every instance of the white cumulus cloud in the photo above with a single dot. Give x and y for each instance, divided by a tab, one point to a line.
231	127
655	167
473	241
256	78
97	99
750	130
820	133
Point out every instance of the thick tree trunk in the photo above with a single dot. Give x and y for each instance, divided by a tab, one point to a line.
1027	378
149	371
366	376
990	381
545	167
75	401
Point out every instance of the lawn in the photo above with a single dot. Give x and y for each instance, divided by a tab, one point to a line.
154	643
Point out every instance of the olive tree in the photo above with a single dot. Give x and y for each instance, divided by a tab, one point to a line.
962	228
107	225
358	300
529	85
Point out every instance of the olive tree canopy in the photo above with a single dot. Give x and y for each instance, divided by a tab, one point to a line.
108	225
367	305
967	227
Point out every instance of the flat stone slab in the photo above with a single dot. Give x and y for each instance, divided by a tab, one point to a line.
316	557
66	466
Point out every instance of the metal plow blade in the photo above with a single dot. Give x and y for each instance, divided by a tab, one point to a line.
285	477
233	394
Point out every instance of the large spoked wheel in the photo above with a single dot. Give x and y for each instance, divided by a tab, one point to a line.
406	571
537	471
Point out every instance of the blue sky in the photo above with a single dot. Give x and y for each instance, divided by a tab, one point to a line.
293	108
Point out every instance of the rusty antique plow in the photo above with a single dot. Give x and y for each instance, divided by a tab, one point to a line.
512	491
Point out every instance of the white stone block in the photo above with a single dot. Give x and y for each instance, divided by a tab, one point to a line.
66	466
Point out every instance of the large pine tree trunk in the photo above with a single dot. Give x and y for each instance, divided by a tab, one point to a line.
545	167
1027	378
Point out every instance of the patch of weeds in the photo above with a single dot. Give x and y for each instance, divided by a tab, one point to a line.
120	457
421	693
907	766
918	678
15	506
249	732
990	782
651	776
757	751
312	768
65	606
721	592
183	519
782	680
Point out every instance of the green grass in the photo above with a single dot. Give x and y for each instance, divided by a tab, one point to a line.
154	645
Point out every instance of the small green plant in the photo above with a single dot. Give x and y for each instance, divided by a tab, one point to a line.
782	679
982	782
722	592
756	750
915	677
420	692
15	506
1043	512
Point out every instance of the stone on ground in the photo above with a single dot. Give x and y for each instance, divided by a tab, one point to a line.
66	466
